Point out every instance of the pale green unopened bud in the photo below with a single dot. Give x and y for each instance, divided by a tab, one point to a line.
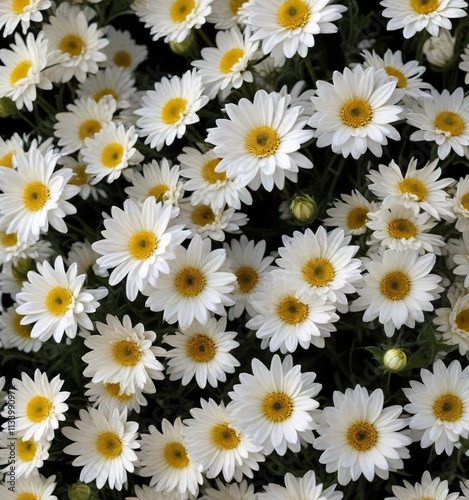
21	268
394	360
182	48
303	208
7	107
80	491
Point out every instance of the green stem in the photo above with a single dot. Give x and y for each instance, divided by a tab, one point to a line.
310	69
204	37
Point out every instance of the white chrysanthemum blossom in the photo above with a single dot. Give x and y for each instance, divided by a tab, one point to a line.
85	258
233	491
198	284
400	229
21	11
14	250
215	443
78	42
39	406
440	406
32	487
170	107
282	321
122	353
34	195
464	63
225	66
435	489
320	263
250	266
444	119
15	335
83	119
104	443
56	301
416	15
164	457
208	185
260	141
350	213
23	68
407	74
461	204
460	257
354	113
275	406
439	50
9	148
227	13
289	27
202	351
453	322
172	19
419	189
144	492
300	97
300	488
110	395
122	51
397	289
81	179
138	242
158	179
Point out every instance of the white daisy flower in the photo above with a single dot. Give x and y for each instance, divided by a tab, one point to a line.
164	458
419	189
444	119
9	148
123	354
81	179
355	112
416	15
225	66
464	488
158	179
234	491
321	264
84	119
144	492
78	42
109	395
34	195
172	19
288	27
249	264
197	284
460	257
11	278
15	335
215	443
202	351
304	488
122	51
85	258
169	108
461	204
398	288
260	141
23	69
359	436
13	250
227	13
435	489
138	242
104	443
37	487
56	302
440	406
21	11
464	63
275	406
39	406
439	50
283	321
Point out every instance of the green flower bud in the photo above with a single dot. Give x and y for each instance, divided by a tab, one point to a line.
7	107
21	268
303	208
182	48
394	360
80	491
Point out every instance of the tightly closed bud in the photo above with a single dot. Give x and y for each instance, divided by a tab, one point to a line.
80	491
303	208
394	360
7	107
21	268
184	47
439	50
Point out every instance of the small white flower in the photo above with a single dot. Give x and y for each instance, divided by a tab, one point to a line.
15	12
435	489
439	50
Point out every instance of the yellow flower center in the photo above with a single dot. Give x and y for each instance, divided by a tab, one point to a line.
414	187
209	173
424	6
292	311
27	496
8	239
293	14
318	272
262	141
72	44
448	408
176	455
26	449
229	59
190	282
462	320
357	217
173	110
35	196
122	59
18	6
465	201
143	244
225	437
80	177
38	409
88	129
126	352
449	122
107	91
202	215
181	9
235	5
277	406
247	278
201	348
23	331
402	228
395	285
7	160
114	390
356	113
158	192
58	300
112	155
362	436
20	71
401	78
109	445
